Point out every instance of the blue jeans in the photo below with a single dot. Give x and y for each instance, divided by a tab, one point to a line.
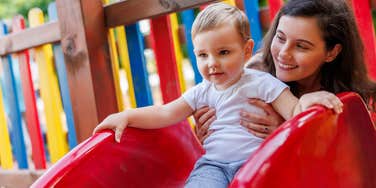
212	174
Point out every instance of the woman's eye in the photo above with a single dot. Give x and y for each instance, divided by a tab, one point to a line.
300	46
224	52
280	38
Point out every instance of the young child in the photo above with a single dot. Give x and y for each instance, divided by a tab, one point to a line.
222	45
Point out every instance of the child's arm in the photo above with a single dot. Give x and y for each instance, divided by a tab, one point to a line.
150	117
288	105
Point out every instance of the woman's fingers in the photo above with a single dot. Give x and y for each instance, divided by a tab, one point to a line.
206	116
261	104
324	98
261	124
258	134
205	127
257	127
255	118
272	117
202	115
203	131
203	138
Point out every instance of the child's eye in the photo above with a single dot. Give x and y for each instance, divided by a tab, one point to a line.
224	52
202	55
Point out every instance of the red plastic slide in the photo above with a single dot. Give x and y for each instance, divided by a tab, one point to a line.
314	149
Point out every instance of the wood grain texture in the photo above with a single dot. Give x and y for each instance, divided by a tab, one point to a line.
32	37
86	54
130	11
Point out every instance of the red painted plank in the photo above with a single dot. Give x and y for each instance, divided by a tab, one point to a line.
31	114
163	46
317	149
274	6
363	16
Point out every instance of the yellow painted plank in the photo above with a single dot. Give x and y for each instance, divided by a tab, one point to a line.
50	94
115	68
177	49
231	2
6	159
115	65
124	60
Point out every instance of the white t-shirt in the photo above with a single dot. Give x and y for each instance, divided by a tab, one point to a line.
230	141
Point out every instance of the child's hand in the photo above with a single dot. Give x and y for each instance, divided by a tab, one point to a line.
324	98
117	122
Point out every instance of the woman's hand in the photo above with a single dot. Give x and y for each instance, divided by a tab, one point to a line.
261	125
203	117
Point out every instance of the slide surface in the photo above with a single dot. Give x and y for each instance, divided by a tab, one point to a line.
317	149
314	149
144	158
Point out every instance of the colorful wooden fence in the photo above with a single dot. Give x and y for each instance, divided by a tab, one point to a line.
77	83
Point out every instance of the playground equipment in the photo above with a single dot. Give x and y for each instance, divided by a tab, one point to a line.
82	40
317	148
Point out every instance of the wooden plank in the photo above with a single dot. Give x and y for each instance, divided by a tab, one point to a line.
274	6
174	26
252	12
50	94
31	113
362	11
63	83
12	97
18	178
188	18
125	63
128	12
6	158
87	59
165	58
138	66
115	64
30	38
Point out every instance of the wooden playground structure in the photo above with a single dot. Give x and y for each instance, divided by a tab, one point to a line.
79	52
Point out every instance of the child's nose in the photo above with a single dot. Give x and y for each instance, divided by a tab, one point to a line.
212	62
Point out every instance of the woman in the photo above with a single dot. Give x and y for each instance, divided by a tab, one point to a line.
312	45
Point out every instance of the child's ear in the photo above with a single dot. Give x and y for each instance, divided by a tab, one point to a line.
332	54
249	48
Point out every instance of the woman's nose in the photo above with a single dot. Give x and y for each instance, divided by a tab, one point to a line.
285	53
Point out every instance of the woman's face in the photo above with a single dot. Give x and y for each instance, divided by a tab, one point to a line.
298	50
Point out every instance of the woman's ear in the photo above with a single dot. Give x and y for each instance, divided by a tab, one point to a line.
249	48
332	54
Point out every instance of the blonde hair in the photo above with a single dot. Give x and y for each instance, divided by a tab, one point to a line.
217	14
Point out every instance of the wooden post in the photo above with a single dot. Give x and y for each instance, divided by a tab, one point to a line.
87	59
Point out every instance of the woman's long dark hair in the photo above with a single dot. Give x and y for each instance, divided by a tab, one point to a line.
347	72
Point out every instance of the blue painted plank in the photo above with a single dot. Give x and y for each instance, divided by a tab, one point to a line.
63	82
252	12
11	96
138	66
188	18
